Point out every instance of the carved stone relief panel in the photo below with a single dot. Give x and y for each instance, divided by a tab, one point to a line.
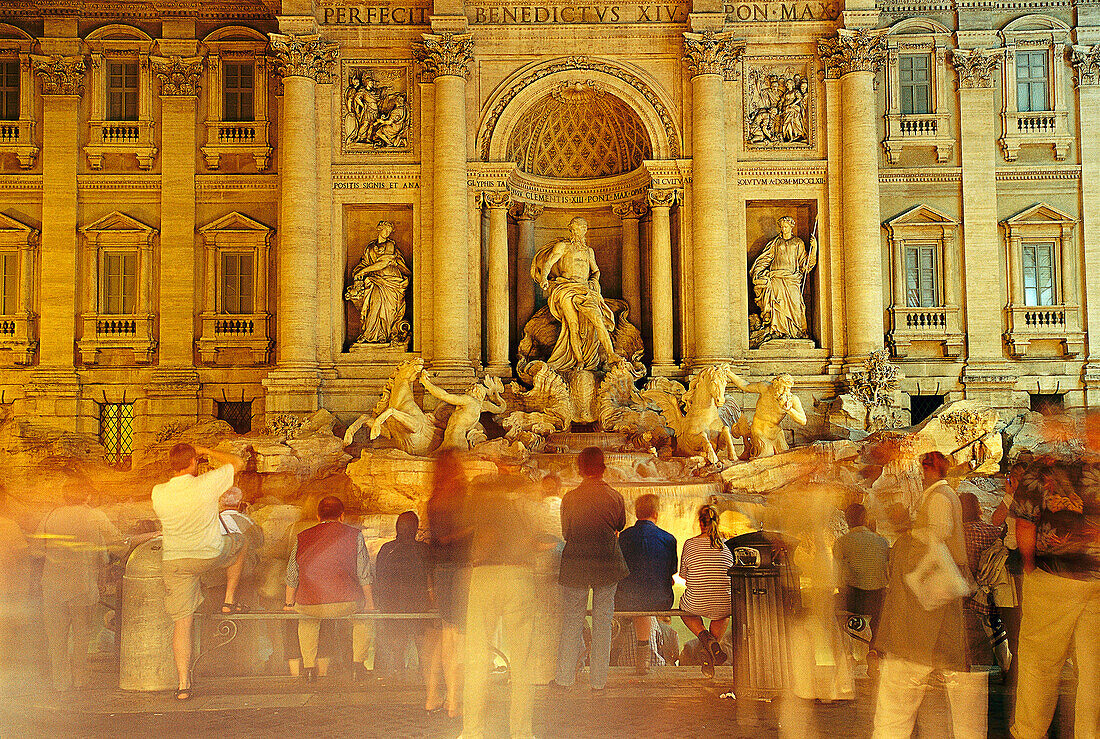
780	104
375	113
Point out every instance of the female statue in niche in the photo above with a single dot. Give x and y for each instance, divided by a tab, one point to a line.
378	289
778	279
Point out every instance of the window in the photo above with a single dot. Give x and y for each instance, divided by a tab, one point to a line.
116	432
238	92
1048	403
237	280
119	282
1031	81
237	414
915	83
920	276
9	266
9	90
1038	273
122	91
923	406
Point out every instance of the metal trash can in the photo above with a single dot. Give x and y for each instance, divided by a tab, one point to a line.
760	582
145	647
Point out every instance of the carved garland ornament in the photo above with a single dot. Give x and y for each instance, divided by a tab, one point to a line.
526	211
61	75
445	54
303	56
711	53
975	67
630	209
178	75
499	199
582	63
853	50
661	198
1086	64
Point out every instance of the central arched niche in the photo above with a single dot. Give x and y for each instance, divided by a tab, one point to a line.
579	131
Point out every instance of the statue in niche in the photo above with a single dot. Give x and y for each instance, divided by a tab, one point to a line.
376	114
776	402
378	288
464	428
577	329
779	280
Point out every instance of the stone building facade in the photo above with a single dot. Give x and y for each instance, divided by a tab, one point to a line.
186	187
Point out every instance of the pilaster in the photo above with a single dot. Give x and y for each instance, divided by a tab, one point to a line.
1086	63
496	292
630	213
525	215
660	276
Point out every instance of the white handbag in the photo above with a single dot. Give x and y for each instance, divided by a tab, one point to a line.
936	580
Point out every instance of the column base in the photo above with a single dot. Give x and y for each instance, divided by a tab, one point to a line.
53	399
499	370
992	383
664	369
1091	380
454	375
171	397
295	390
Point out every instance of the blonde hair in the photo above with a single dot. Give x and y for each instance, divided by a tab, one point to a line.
708	524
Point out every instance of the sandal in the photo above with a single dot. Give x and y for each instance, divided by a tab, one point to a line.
185	694
232	609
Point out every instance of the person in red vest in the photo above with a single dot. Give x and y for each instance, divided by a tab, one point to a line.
328	576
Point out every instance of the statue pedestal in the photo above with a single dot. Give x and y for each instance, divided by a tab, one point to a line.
786	347
379	353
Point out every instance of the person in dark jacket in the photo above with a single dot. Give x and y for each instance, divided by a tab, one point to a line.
328	576
592	515
402	584
650	554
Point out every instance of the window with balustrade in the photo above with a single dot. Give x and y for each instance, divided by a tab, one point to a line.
18	318
1043	280
916	97
17	95
120	89
237	97
235	317
9	89
9	282
118	282
1036	109
921	275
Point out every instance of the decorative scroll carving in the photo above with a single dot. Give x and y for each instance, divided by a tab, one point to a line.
975	67
853	50
61	75
778	106
710	53
445	54
661	198
526	210
1086	64
376	108
178	75
630	209
495	198
582	63
303	56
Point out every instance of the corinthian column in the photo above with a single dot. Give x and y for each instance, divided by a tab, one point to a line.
299	59
525	214
446	57
496	288
660	278
854	56
1086	63
630	213
707	55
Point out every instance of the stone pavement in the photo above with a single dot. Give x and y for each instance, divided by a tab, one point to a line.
670	702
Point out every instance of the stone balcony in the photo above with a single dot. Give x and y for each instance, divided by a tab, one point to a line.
236	137
120	137
926	129
17	137
1036	127
103	331
19	334
228	331
936	324
1059	323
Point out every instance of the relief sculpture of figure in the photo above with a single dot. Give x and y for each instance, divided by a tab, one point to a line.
778	279
566	269
378	288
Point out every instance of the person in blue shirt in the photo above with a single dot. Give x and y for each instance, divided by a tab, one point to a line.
650	553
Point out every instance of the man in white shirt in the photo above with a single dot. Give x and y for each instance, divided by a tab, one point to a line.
861	560
195	542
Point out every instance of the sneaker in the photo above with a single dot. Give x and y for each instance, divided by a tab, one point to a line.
718	653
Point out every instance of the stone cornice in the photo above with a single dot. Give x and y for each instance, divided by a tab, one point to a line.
303	56
61	75
853	50
179	76
711	53
1086	65
445	54
975	67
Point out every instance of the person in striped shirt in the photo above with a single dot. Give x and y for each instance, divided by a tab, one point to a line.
704	564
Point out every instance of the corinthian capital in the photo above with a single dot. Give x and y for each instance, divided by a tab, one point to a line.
61	75
303	56
445	54
710	52
632	209
975	66
496	199
526	211
1086	64
179	76
661	198
853	50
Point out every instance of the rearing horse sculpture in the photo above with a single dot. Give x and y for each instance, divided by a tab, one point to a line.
700	418
397	416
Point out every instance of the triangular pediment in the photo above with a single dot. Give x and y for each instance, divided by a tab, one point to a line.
9	225
1040	214
117	222
236	222
922	215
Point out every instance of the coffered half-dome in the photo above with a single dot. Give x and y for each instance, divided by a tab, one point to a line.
579	131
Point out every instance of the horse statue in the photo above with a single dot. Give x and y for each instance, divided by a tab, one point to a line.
700	418
397	416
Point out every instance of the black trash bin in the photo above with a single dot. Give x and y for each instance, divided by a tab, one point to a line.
762	589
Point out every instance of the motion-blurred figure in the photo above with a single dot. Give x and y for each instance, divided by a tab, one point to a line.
704	564
402	584
13	589
861	559
73	538
544	648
